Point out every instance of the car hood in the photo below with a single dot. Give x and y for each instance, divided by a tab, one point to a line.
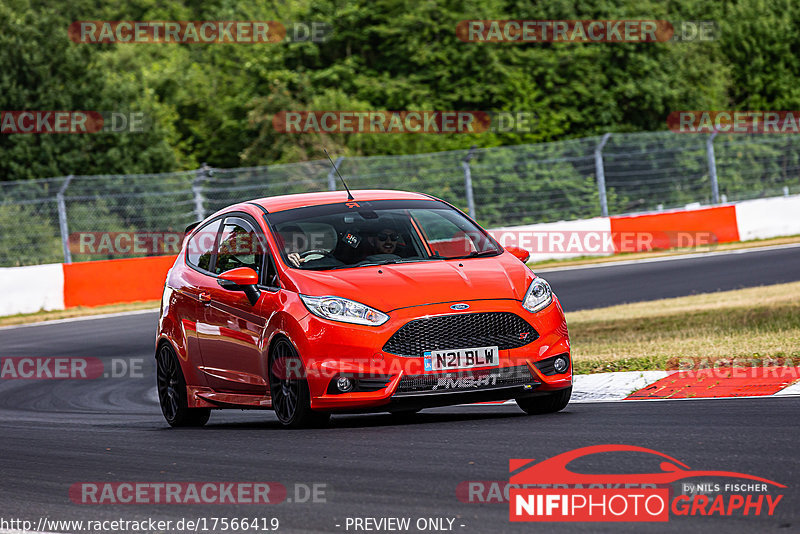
389	287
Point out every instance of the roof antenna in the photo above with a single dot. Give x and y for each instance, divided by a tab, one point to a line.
349	194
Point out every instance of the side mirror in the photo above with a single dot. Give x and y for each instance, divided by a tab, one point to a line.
520	253
241	279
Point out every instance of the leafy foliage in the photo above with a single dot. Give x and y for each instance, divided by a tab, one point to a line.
214	103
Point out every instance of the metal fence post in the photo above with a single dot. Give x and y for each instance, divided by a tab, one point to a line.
712	168
197	191
601	174
62	220
332	174
468	181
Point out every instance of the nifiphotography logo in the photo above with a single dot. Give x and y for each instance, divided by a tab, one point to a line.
549	491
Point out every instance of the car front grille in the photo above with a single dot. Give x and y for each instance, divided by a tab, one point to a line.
468	380
461	331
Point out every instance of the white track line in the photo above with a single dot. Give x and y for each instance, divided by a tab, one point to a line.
687	256
77	319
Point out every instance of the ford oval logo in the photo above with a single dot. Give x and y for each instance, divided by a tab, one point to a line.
459	306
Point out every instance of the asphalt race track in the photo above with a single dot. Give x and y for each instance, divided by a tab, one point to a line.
57	433
595	286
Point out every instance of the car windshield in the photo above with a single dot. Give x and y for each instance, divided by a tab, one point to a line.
357	234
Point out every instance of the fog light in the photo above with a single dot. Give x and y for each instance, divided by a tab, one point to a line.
344	384
560	364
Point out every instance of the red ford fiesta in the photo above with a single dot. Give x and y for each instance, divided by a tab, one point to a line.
316	303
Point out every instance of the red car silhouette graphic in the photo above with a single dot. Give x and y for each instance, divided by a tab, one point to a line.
554	470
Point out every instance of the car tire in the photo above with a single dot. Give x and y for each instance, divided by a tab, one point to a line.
289	391
171	387
554	402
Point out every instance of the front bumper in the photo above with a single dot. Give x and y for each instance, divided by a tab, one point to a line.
356	351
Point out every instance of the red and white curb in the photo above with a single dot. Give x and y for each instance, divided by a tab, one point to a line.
721	382
712	383
615	386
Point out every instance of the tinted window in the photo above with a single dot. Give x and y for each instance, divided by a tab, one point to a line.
335	236
239	246
201	246
271	277
448	233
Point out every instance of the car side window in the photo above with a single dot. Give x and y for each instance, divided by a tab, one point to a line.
239	246
200	248
445	236
270	279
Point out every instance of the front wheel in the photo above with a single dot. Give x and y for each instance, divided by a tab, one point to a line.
288	386
554	402
172	391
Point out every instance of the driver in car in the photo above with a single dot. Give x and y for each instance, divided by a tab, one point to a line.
385	241
294	244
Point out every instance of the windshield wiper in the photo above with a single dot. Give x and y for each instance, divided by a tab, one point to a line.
356	265
476	255
389	261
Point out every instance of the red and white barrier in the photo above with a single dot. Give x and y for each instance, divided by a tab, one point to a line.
31	289
560	240
56	286
768	217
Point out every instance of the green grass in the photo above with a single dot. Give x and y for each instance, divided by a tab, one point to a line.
755	326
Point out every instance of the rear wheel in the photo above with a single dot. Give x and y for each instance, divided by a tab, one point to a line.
291	399
172	391
554	402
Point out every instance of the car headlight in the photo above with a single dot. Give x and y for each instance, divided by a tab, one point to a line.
538	297
348	311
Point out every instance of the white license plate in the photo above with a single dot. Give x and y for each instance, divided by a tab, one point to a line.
444	360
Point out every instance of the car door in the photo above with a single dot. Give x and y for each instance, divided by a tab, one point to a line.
231	332
190	285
